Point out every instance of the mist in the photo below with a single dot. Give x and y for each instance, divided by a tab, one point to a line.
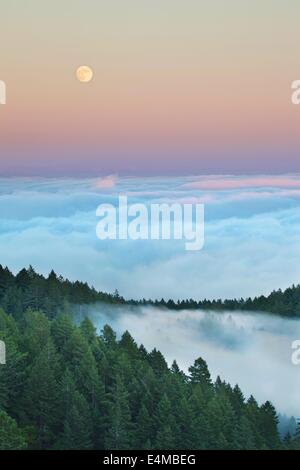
251	349
252	227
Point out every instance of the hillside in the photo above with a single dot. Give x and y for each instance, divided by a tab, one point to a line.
55	294
68	387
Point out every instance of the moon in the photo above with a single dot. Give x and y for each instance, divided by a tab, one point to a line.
84	73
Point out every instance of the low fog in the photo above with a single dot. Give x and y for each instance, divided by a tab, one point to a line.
251	349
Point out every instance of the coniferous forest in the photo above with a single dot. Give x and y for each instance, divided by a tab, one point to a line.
64	386
54	294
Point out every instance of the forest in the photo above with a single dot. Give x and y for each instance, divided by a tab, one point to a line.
54	294
67	386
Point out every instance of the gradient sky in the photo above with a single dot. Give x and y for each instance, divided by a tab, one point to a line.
180	87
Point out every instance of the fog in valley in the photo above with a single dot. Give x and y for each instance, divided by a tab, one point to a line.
251	349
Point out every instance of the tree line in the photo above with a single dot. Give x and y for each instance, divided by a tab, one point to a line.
54	294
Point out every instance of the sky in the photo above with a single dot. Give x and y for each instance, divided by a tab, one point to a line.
251	234
180	87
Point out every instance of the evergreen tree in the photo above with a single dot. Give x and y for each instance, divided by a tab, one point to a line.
109	336
129	345
199	373
144	429
77	419
11	437
119	432
166	425
158	362
41	397
268	428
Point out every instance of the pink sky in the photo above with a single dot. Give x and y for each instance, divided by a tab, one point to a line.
183	88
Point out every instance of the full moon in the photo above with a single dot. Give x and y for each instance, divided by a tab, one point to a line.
84	73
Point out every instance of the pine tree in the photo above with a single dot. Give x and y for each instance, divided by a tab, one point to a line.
82	364
237	400
200	377
185	437
37	333
199	373
143	429
6	281
77	419
143	352
109	336
41	398
201	428
129	345
177	372
158	362
11	437
269	423
119	432
165	425
253	415
62	329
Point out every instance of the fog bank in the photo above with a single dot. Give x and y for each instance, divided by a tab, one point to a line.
251	349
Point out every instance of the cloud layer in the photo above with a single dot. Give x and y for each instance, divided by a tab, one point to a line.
251	234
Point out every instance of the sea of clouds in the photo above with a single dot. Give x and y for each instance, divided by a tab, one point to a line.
251	234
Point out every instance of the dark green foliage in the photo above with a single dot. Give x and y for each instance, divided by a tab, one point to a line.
41	397
77	417
76	390
269	421
66	387
165	425
11	437
120	426
199	373
54	295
